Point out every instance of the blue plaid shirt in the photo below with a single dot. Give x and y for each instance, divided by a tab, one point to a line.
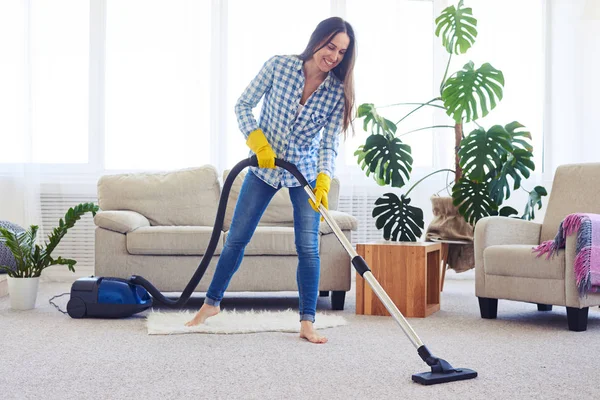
310	140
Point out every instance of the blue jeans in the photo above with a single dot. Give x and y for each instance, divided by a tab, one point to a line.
254	197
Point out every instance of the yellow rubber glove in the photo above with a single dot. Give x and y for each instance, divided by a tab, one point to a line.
321	190
259	145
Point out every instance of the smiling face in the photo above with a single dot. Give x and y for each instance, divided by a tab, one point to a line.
330	55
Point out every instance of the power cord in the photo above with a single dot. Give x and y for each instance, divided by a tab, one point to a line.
57	307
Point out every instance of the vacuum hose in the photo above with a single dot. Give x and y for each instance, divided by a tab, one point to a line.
216	234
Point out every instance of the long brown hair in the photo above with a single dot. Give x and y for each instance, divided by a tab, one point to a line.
344	71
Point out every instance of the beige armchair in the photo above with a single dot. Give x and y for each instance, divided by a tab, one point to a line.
506	267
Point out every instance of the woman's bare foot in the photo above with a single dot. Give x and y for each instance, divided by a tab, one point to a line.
308	332
206	311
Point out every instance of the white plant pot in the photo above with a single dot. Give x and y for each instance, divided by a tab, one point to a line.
23	292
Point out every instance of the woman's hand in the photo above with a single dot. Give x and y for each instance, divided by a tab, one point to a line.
321	190
260	146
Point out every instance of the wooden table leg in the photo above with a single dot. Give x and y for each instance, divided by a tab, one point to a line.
444	257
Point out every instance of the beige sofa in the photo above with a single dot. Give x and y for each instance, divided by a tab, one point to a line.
158	225
506	267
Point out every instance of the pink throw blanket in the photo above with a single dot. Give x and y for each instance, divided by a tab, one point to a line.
587	253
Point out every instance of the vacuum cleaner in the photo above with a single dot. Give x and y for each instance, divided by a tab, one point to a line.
100	297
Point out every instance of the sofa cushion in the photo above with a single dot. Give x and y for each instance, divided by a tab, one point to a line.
344	221
187	197
271	241
519	260
280	211
120	221
171	240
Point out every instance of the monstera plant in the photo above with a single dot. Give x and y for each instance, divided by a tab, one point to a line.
489	163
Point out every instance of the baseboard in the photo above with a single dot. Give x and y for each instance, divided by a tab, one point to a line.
3	285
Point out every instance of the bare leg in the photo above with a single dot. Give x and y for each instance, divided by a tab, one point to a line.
308	332
206	311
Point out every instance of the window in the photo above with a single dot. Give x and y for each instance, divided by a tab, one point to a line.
517	49
157	100
394	65
160	100
48	78
12	81
258	30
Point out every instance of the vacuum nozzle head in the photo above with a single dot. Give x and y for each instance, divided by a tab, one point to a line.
432	378
441	370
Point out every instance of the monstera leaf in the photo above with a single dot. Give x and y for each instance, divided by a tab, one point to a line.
379	124
388	158
517	138
535	197
481	152
457	27
506	211
517	165
461	92
472	200
397	218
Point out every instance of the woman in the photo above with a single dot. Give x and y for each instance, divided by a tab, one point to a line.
308	100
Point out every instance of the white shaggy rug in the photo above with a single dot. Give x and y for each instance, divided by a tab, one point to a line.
228	322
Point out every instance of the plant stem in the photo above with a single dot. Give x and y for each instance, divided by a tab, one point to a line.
425	177
445	74
457	139
528	191
428	127
447	186
421	106
414	104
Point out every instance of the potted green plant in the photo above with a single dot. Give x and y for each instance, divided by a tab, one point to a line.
31	259
485	158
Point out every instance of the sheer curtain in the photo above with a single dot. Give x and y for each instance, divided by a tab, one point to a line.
44	124
19	175
157	105
573	102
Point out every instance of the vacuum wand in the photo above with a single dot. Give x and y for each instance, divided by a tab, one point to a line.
441	370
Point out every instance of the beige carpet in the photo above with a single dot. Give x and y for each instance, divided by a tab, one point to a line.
524	354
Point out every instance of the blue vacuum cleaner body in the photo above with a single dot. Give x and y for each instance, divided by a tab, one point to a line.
99	297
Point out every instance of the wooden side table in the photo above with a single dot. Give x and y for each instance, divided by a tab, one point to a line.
409	272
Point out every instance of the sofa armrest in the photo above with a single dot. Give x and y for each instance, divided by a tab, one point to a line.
345	221
491	231
121	221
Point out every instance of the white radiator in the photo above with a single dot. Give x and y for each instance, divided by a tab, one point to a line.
77	244
361	207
